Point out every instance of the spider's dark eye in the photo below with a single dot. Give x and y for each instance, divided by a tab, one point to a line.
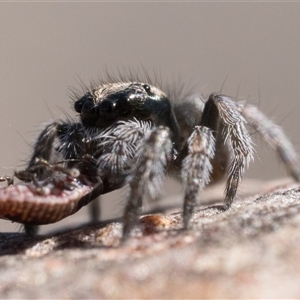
147	88
107	107
78	105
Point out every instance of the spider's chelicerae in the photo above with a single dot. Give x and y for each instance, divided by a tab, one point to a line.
134	133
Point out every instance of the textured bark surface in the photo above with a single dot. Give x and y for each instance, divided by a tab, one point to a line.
250	251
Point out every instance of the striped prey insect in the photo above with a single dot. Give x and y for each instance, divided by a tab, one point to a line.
131	132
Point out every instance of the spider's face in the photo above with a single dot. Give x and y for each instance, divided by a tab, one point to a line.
109	103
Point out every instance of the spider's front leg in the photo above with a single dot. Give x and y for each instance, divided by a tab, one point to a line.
44	153
152	160
196	167
220	116
42	150
58	158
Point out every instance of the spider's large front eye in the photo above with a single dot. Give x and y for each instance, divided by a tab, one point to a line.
111	108
107	107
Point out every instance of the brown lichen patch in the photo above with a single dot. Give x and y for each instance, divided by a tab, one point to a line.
154	223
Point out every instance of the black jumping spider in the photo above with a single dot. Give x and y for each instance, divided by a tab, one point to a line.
131	133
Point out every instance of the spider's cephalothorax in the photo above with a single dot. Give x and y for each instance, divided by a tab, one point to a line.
113	102
131	133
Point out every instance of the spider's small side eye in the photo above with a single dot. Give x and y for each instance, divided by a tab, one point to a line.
84	103
147	88
78	105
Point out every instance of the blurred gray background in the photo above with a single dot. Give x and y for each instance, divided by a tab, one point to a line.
251	48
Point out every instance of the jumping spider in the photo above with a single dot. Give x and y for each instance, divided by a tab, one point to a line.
131	133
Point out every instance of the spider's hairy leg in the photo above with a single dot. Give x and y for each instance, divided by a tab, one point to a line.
196	167
45	158
275	137
222	113
188	114
42	149
44	145
153	158
38	167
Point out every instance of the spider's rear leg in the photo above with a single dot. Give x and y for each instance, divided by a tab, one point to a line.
221	122
152	160
222	115
275	137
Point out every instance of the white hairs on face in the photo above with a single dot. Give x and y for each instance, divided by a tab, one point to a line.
119	144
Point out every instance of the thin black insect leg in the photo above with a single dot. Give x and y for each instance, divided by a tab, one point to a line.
72	172
196	168
8	179
275	137
148	174
30	173
221	112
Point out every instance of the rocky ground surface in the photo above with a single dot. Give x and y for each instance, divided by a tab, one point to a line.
250	251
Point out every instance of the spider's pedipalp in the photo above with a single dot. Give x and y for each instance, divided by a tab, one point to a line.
118	145
221	112
196	168
275	137
152	160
